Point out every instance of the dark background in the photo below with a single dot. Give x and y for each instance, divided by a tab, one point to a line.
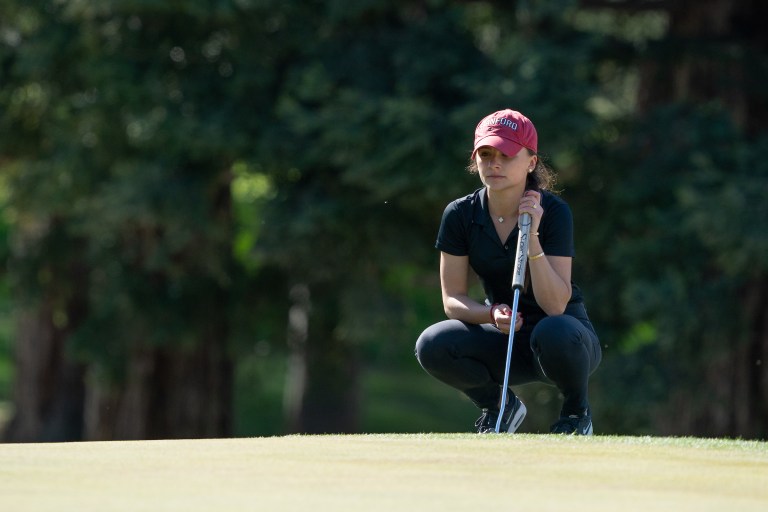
218	217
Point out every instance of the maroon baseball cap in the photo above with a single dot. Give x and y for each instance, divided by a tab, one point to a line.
506	130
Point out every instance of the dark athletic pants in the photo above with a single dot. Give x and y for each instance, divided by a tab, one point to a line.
562	350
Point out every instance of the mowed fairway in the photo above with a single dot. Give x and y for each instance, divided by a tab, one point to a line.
430	472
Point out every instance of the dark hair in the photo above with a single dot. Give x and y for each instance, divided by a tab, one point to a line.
541	178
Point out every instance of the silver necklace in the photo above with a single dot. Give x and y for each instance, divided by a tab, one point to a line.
501	219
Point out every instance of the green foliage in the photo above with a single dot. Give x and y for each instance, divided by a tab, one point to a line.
690	212
685	239
179	165
119	180
260	380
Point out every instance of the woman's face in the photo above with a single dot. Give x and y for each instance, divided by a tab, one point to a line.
498	171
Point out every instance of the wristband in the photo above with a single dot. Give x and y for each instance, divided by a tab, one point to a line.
493	306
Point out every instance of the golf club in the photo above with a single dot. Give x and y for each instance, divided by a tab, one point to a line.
518	279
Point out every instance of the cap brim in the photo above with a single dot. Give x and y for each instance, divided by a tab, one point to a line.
506	146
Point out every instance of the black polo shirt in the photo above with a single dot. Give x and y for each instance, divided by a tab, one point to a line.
466	229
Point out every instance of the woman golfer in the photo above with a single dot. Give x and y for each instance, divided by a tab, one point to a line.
554	341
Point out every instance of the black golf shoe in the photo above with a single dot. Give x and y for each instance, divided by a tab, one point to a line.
576	425
514	413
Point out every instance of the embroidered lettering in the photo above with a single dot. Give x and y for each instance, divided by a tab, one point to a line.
503	121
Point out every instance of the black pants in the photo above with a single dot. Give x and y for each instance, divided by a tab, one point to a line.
562	350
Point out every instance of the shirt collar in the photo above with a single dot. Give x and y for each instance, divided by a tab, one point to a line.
480	213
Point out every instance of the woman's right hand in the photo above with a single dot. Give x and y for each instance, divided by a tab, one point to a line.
502	316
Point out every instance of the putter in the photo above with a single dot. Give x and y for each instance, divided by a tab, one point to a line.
518	279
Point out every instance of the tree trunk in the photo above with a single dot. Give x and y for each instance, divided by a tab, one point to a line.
167	395
179	390
182	389
752	418
49	389
733	391
322	391
739	378
182	394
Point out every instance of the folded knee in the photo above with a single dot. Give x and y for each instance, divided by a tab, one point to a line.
432	347
425	348
557	334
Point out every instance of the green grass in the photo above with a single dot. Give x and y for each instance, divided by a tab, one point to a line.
386	472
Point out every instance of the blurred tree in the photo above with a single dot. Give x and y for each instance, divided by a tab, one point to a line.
361	135
371	133
684	186
182	177
119	168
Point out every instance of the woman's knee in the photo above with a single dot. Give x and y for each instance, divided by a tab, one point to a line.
431	345
441	342
557	334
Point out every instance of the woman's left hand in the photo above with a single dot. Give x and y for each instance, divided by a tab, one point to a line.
531	203
504	320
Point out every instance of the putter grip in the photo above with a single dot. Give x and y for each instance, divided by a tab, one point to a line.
521	256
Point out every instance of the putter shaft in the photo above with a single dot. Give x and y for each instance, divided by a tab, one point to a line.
518	280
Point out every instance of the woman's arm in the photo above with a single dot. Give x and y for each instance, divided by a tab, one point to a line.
550	278
454	278
550	275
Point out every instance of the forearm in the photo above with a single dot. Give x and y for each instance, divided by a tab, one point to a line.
551	290
462	307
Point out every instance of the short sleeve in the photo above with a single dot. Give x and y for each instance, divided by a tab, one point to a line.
556	229
452	235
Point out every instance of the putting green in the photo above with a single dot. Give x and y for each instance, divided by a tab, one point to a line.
387	473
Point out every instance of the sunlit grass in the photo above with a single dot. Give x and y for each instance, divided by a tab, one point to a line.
388	472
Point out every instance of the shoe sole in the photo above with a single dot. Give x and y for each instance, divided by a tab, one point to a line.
587	432
574	433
